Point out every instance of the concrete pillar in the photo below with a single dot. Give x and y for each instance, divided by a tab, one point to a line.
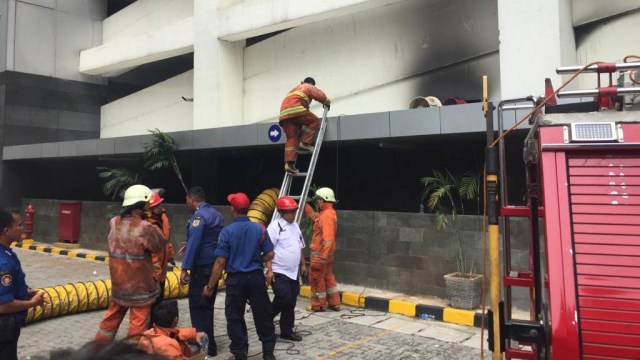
536	37
218	72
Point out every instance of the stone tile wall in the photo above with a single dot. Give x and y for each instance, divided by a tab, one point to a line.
399	252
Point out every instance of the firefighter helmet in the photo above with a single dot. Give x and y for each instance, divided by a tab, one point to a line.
136	194
326	194
155	199
286	203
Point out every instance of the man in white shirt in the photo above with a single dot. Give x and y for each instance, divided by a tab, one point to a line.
289	258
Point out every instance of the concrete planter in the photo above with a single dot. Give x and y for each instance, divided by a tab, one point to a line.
464	292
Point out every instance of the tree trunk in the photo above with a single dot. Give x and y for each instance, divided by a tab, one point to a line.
176	169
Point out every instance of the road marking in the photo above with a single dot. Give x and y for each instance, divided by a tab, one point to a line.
358	343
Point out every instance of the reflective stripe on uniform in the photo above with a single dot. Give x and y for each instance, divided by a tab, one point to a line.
318	295
332	290
106	333
289	148
145	296
317	254
293	110
300	94
128	257
326	242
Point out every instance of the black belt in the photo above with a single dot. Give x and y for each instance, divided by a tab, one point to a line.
244	273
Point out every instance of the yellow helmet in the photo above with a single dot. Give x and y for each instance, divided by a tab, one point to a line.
135	194
326	194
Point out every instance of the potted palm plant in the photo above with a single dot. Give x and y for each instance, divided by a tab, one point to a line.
446	195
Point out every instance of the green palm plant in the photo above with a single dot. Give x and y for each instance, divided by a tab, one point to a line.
446	195
160	154
117	180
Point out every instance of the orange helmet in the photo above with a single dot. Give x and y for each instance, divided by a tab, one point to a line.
286	203
155	199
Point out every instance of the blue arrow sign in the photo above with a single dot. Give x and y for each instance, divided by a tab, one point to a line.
275	133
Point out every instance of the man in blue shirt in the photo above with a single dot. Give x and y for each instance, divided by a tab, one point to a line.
203	230
243	248
15	296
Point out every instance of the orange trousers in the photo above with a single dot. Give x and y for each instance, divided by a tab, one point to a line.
292	126
323	284
138	321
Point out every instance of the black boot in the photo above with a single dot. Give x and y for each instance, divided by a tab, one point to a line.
267	351
240	354
290	167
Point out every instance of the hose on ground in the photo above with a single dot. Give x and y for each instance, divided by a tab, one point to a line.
74	298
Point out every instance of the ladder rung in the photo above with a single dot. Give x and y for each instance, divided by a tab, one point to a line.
522	279
303	152
299	174
295	197
520	354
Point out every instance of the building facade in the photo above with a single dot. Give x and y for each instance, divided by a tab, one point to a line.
84	81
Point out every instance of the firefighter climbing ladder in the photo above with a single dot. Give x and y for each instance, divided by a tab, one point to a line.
308	175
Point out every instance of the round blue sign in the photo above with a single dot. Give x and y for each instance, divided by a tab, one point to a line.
275	133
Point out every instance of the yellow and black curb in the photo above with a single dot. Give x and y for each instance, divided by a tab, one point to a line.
430	312
60	251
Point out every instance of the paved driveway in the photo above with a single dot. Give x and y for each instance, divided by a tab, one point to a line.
348	334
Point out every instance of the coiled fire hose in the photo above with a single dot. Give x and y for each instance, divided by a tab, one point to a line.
262	207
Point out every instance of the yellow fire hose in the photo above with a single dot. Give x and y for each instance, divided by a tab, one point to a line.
262	207
92	295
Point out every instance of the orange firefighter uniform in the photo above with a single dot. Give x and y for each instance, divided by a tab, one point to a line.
162	258
170	343
294	113
323	247
133	286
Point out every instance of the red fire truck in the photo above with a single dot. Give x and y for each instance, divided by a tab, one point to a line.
582	163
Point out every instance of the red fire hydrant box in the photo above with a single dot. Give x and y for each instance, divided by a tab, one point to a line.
69	223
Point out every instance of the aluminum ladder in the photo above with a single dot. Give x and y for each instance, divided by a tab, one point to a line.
308	174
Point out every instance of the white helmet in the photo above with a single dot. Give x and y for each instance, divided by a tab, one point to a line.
135	194
326	194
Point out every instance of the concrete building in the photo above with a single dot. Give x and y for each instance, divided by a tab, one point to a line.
84	80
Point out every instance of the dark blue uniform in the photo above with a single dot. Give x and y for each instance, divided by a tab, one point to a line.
12	287
203	230
243	243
